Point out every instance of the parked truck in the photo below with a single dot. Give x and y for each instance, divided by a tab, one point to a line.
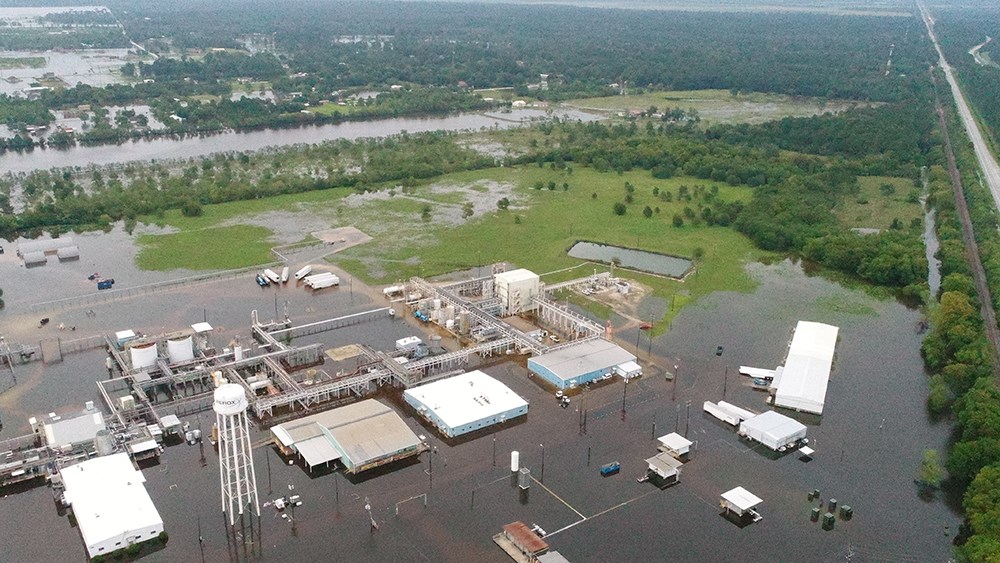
320	281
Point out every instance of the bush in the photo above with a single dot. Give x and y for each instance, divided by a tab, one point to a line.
619	208
191	208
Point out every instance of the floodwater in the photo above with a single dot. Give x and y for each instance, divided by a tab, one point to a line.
630	258
94	67
191	147
869	444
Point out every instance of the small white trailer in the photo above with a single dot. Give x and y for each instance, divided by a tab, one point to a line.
303	272
284	274
730	414
272	276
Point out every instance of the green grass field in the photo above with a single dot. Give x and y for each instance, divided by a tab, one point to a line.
535	232
214	248
7	63
719	106
330	108
873	209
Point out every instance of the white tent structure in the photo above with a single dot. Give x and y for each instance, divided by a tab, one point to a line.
110	502
801	383
774	430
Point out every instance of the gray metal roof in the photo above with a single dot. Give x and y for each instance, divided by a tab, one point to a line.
75	430
363	431
317	451
44	245
34	257
369	430
579	359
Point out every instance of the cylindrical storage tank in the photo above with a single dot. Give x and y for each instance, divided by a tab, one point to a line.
104	442
180	350
449	312
230	399
437	304
237	352
515	462
143	355
449	324
463	322
524	478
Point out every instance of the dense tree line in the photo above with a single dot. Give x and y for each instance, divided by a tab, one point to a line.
958	354
958	31
343	44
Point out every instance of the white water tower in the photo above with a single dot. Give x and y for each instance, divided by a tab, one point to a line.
236	473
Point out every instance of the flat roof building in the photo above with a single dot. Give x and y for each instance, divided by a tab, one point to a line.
361	435
674	444
72	431
741	502
577	364
801	384
664	468
110	503
465	403
774	430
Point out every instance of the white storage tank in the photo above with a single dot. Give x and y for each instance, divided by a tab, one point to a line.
515	461
437	304
180	349
237	352
143	355
449	324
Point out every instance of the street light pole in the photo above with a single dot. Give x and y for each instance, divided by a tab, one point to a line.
543	462
624	392
677	374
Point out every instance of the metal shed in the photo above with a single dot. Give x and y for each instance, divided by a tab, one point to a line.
741	502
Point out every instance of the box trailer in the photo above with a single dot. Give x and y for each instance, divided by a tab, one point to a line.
284	274
319	281
303	272
272	276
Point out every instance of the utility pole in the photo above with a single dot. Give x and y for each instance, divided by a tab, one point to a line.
687	422
624	392
725	382
543	462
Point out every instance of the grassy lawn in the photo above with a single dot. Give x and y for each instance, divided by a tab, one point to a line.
719	106
331	108
535	232
7	63
550	222
874	209
217	248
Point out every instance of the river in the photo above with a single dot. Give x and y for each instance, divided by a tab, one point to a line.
167	148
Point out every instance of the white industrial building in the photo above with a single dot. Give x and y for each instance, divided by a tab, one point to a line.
71	431
516	290
774	430
580	363
465	403
110	503
801	384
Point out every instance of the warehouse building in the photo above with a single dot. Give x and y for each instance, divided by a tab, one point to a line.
577	364
465	403
801	384
110	503
361	435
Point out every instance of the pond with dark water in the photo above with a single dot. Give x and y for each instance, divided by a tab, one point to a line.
631	258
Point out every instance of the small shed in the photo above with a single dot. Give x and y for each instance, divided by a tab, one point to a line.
741	502
32	259
524	539
68	253
664	468
675	444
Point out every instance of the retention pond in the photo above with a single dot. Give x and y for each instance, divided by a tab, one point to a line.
642	260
